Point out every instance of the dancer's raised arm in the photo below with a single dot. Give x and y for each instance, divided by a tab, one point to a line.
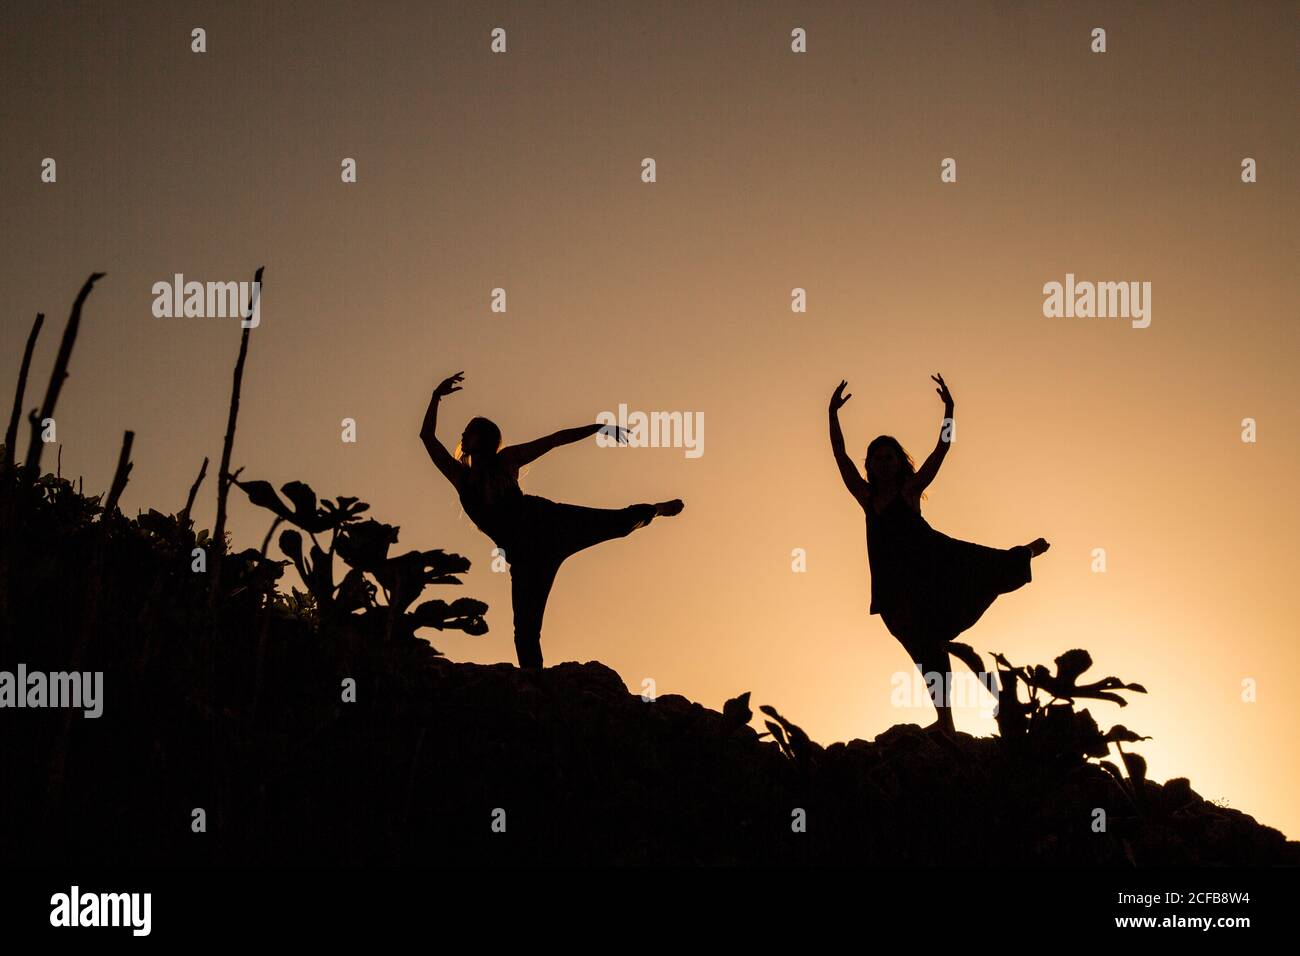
449	466
926	473
854	481
520	455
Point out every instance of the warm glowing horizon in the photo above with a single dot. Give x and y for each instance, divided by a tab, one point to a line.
774	172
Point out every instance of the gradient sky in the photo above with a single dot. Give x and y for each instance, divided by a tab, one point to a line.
775	170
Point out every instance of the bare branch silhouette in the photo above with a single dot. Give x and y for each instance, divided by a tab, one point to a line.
223	476
120	475
194	490
11	433
32	463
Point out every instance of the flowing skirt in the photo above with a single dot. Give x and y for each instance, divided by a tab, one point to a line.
941	586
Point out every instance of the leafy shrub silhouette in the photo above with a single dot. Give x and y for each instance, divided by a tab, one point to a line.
35	505
1045	730
217	682
1048	727
794	744
363	546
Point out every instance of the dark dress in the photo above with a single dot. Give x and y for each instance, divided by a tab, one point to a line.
928	587
536	536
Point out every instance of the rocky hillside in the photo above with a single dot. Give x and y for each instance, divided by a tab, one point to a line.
588	772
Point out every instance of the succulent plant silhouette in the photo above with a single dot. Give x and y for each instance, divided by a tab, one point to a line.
1051	729
306	513
791	739
363	546
1063	685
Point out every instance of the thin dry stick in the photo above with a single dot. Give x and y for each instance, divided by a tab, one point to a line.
32	462
7	503
223	476
11	433
11	436
266	542
194	490
120	475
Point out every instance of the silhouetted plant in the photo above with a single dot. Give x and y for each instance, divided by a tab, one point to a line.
1047	725
363	546
736	714
791	739
219	680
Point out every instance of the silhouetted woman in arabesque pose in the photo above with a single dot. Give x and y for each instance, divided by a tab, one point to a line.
535	534
926	586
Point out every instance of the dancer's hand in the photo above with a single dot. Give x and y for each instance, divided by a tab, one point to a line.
617	432
943	392
839	398
448	385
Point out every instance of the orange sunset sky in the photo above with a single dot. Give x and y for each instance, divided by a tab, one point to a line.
775	171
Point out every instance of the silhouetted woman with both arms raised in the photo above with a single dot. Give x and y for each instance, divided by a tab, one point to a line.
536	534
926	586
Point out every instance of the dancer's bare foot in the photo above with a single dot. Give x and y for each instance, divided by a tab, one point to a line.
1037	547
666	509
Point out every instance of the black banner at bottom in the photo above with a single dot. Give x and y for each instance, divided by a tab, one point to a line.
236	905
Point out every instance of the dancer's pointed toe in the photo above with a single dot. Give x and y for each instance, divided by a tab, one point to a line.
1036	547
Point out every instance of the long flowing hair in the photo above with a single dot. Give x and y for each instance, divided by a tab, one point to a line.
491	435
909	467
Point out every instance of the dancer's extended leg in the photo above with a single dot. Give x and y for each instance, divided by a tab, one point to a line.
580	527
556	532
